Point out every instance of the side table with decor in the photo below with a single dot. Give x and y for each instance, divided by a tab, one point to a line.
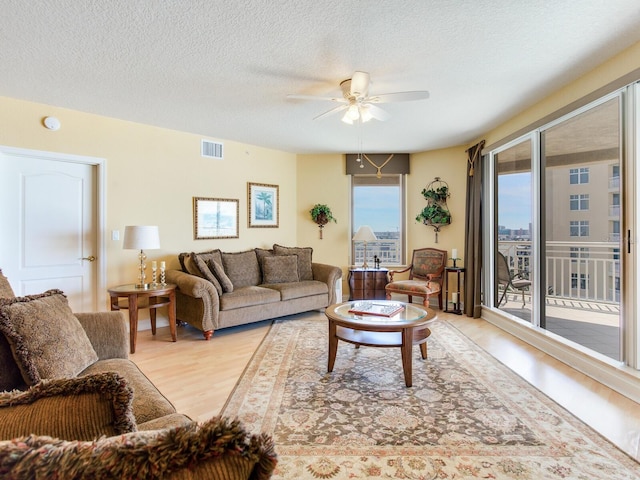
367	283
133	299
455	294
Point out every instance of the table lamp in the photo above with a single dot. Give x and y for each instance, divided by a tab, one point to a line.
141	238
365	234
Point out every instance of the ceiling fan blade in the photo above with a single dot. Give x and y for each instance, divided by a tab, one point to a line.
360	84
377	112
294	96
337	109
399	97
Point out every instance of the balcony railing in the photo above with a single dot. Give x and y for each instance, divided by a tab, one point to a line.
388	251
586	271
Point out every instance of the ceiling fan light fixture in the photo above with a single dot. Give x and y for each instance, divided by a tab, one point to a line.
365	114
353	112
346	119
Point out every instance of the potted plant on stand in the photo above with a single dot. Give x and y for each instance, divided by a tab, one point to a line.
321	214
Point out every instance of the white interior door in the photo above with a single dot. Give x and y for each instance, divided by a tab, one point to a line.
49	226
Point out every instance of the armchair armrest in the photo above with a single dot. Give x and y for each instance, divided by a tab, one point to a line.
107	332
393	272
328	274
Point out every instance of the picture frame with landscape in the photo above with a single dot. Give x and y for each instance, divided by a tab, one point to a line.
215	218
263	205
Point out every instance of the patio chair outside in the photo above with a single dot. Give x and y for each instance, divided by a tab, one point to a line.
507	279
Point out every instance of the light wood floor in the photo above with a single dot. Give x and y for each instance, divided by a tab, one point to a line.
198	375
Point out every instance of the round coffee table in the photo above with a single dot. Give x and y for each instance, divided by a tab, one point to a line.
405	329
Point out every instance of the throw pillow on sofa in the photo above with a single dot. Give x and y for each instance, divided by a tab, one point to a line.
219	449
81	408
242	268
196	264
280	269
304	259
218	271
46	338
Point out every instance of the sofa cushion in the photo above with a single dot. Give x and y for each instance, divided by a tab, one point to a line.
280	269
205	271
242	268
197	264
261	253
248	296
218	270
47	340
82	408
148	402
219	449
307	288
304	259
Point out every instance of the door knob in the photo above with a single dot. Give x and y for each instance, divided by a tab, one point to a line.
91	258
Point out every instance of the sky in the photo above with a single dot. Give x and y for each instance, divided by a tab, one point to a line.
514	200
377	207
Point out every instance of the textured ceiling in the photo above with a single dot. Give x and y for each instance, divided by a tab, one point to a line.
222	69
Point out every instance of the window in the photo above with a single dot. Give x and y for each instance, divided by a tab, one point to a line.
579	202
578	176
379	203
578	252
579	228
584	281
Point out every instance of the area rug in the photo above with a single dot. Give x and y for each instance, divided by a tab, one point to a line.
466	416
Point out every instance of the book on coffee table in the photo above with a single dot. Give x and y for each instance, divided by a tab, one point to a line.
378	309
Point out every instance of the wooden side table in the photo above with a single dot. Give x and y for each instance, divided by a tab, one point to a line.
456	304
367	284
152	298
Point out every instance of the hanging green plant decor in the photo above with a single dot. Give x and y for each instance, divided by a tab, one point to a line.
436	214
321	214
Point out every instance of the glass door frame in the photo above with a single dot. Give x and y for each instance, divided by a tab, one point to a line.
491	234
629	218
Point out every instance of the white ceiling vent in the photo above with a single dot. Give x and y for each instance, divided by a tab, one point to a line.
211	149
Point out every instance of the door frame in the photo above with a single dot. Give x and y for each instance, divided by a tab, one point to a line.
99	165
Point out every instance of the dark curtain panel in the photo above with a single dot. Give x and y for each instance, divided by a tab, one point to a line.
473	233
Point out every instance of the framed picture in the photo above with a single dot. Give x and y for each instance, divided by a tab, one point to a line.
215	218
263	205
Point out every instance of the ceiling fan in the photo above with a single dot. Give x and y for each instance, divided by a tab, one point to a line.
356	102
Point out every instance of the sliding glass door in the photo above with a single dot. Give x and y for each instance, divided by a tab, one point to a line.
581	237
557	197
514	282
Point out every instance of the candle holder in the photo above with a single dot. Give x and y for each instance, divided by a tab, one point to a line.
454	261
154	274
162	276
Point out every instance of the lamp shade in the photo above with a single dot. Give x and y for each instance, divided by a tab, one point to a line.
365	234
143	237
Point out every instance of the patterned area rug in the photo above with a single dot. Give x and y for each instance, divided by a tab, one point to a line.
466	416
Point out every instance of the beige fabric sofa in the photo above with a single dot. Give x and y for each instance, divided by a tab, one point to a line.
72	405
222	289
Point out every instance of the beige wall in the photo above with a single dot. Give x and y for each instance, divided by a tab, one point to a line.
152	175
322	179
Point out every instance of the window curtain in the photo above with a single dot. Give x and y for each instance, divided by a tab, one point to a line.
473	233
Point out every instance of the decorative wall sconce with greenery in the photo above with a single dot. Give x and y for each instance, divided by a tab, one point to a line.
321	214
436	214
